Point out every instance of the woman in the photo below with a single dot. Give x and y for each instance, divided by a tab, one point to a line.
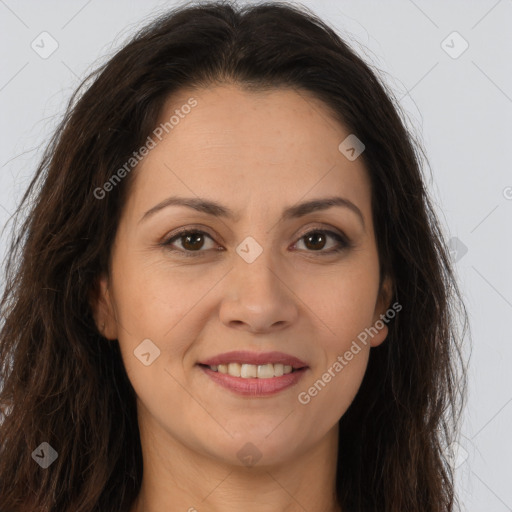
231	290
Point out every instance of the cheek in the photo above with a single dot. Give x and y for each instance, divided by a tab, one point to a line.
345	305
147	308
164	304
152	298
327	395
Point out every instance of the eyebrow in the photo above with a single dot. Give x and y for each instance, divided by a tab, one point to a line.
217	210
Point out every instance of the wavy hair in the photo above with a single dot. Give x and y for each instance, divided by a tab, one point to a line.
64	384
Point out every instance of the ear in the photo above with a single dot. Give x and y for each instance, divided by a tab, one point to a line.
103	312
383	304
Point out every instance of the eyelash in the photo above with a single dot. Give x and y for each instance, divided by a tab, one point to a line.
343	241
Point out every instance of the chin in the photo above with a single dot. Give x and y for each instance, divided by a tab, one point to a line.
256	446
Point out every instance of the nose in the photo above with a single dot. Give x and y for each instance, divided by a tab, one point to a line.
258	299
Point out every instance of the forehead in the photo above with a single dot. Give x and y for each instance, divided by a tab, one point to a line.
278	146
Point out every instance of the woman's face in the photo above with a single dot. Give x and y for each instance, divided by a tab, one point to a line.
254	281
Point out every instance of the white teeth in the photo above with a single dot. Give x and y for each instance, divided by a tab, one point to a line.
249	371
265	371
234	369
278	370
246	371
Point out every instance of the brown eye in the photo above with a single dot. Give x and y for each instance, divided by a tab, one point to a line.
316	240
192	241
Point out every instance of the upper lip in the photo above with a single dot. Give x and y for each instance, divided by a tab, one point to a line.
257	358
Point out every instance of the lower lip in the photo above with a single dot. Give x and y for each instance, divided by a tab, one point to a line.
255	387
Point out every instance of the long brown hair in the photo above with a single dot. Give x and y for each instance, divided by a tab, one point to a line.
64	384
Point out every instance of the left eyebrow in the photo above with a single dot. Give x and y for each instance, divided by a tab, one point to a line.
217	210
318	205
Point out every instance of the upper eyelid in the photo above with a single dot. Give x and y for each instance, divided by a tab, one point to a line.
327	229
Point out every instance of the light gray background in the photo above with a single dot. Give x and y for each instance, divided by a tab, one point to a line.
460	107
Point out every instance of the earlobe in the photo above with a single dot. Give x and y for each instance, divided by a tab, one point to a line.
381	335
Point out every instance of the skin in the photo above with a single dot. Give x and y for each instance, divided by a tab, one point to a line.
256	153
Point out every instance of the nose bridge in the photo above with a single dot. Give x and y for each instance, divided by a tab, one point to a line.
256	265
257	294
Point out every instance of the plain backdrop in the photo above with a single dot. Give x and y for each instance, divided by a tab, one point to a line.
449	65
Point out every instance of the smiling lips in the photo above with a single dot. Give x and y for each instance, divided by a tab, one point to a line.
246	371
254	374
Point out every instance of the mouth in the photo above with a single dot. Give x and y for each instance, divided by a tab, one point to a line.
253	371
252	374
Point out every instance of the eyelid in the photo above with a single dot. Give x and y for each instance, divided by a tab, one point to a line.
329	230
181	231
326	228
